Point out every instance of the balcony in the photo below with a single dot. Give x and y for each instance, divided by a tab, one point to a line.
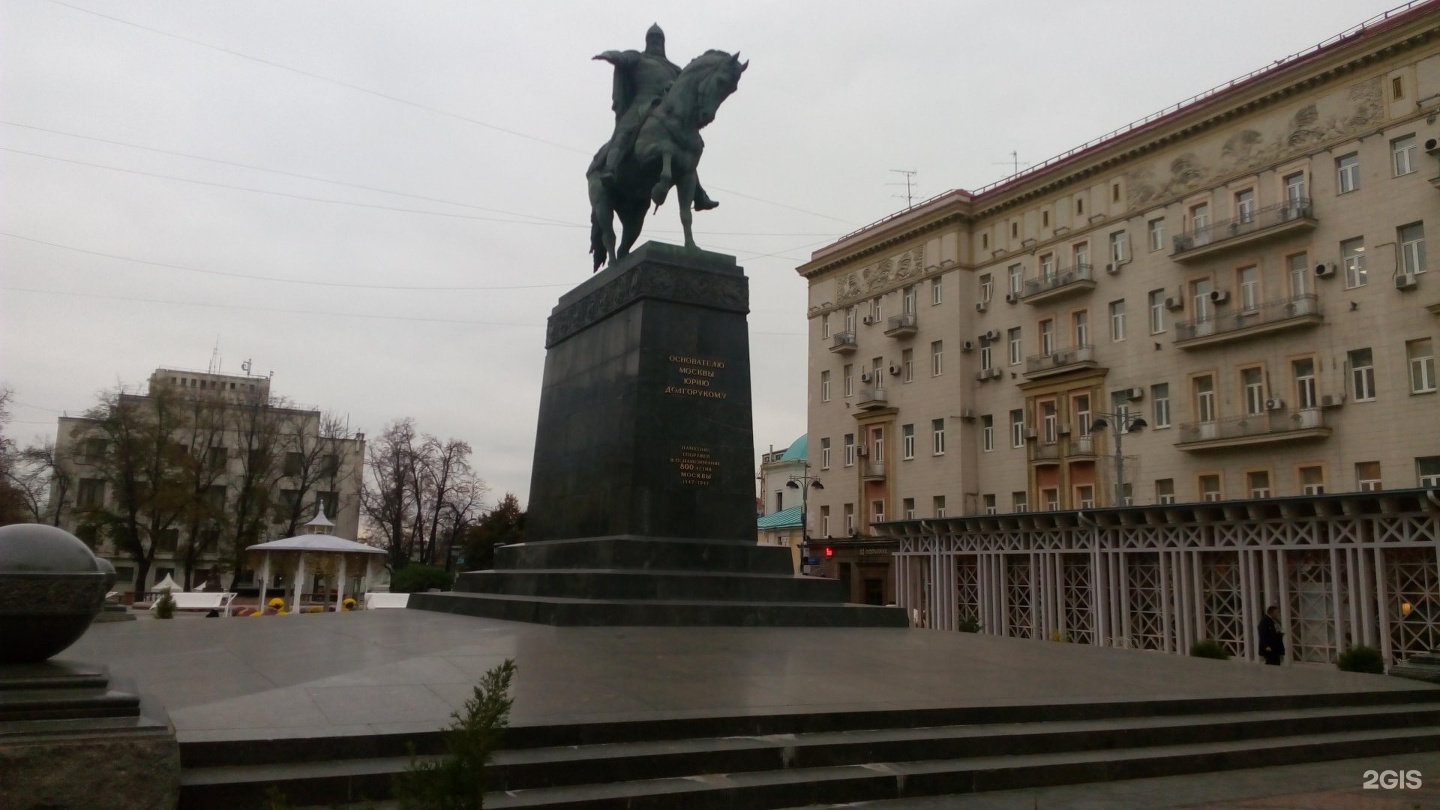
1059	362
1082	446
1271	427
1299	312
843	343
872	471
1045	452
1269	222
871	399
1067	282
902	326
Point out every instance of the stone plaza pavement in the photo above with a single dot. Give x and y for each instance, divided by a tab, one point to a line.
398	671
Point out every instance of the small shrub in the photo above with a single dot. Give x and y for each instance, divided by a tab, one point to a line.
165	605
969	624
1209	648
420	578
1362	659
456	781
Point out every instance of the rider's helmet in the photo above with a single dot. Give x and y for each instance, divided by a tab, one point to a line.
655	40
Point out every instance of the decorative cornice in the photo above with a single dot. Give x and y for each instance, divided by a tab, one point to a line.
727	291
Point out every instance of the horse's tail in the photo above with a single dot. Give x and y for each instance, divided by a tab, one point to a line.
597	243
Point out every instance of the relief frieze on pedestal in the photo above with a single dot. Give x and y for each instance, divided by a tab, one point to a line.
659	282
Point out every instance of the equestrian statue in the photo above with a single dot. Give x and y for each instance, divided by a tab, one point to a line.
659	112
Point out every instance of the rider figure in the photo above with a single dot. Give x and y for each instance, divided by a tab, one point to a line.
641	81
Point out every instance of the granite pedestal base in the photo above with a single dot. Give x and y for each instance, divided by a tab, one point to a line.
642	493
69	737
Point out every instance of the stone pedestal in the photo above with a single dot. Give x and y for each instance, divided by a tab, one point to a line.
642	495
70	737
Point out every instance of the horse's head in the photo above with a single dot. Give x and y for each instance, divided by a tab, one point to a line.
704	84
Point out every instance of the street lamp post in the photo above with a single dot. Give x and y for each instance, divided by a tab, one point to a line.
805	482
1124	423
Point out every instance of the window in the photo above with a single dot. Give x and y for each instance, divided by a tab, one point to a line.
1157	312
937	429
1427	471
877	511
937	358
1165	490
1304	373
94	450
1045	219
938	505
1080	206
877	372
825	325
1082	255
1352	256
824	386
1295	189
849	379
1245	206
1204	398
1258	483
1200	223
1016	355
1200	294
989	501
987	286
1209	487
330	466
850	320
1085	497
877	310
937	294
849	449
91	494
1160	399
1119	247
1402	152
877	443
1019	502
986	355
1397	88
1362	375
1017	278
1298	267
1312	480
1367	476
1082	413
1047	266
907	441
1254	386
1050	496
1017	428
907	300
1047	337
218	457
1412	248
907	365
1248	280
1156	229
1117	320
908	505
987	432
849	518
824	521
1421	356
1049	421
825	453
1347	170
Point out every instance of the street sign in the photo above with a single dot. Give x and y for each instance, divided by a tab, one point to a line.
812	560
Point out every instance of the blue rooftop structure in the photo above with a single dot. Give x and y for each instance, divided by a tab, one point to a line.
799	449
784	519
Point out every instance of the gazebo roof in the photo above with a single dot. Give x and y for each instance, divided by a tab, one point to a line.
317	542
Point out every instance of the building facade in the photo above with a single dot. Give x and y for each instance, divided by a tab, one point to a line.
781	505
228	436
1227	301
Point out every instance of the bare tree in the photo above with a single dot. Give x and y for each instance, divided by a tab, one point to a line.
202	462
312	460
388	499
256	429
46	484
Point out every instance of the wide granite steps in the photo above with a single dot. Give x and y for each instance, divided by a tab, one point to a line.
663	585
852	763
585	612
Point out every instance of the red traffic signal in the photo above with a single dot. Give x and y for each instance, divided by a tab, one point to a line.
829	552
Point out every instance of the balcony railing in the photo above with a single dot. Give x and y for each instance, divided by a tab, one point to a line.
1059	361
1272	220
1082	445
1071	280
902	325
1045	451
873	470
842	342
1272	316
871	398
1262	428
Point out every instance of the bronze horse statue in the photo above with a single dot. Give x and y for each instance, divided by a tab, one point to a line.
665	155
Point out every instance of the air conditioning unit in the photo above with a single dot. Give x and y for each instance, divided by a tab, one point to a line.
981	306
1406	281
968	414
1173	304
991	335
1219	296
1112	268
1332	400
983	375
1274	404
867	320
1325	269
861	451
1030	433
1432	146
1135	393
1011	298
967	346
1064	430
996	373
865	376
894	369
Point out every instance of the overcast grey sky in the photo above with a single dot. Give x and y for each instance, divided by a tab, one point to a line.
177	173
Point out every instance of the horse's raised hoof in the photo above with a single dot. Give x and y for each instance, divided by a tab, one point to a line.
705	204
658	195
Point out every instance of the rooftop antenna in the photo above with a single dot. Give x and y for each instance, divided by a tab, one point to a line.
245	367
910	185
215	358
1014	162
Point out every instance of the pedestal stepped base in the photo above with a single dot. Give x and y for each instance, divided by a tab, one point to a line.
642	494
69	738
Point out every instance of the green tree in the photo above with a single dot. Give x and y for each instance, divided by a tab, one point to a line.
503	525
456	781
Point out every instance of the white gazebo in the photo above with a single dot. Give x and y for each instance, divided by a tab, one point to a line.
319	539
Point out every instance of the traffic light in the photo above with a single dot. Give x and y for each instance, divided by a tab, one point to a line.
829	552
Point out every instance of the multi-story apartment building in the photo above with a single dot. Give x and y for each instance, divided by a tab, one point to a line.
289	460
1227	300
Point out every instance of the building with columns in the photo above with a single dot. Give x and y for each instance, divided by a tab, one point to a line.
1224	306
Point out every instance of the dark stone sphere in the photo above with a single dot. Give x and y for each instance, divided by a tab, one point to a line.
51	587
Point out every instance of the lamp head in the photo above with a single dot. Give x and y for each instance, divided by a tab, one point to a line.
791	485
816	484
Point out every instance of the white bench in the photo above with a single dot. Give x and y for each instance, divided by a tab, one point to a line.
201	600
374	601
